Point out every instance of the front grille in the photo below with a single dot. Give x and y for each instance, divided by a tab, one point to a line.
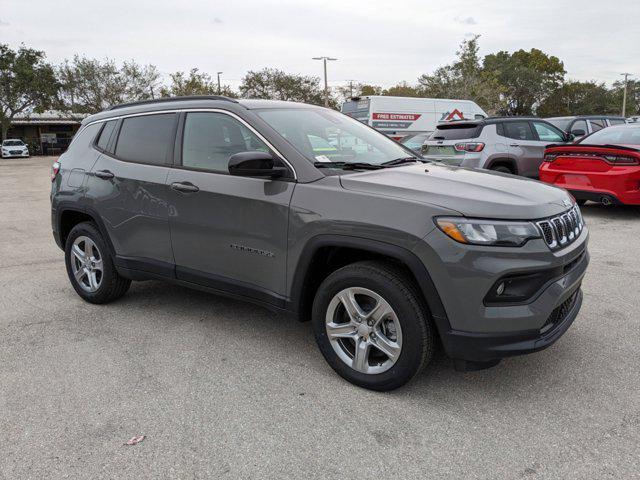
560	312
561	230
15	152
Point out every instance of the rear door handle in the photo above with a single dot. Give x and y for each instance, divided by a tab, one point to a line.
184	187
104	174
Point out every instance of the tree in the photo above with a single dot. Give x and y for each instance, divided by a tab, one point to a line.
464	79
90	86
578	98
27	83
274	84
633	97
525	78
403	89
197	83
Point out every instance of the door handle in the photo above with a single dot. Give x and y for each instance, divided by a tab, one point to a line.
184	187
514	145
104	174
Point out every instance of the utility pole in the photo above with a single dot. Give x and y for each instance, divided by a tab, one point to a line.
326	86
624	94
219	90
350	88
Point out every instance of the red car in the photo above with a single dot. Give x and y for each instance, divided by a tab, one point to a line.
602	167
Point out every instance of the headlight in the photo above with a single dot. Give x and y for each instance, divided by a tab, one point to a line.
487	232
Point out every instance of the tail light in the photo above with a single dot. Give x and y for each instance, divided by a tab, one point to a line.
621	160
55	169
469	147
550	157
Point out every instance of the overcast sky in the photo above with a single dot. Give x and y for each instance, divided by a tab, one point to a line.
379	42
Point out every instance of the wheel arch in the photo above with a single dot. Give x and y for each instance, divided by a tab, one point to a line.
503	161
323	254
70	215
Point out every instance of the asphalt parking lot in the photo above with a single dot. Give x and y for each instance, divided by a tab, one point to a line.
223	389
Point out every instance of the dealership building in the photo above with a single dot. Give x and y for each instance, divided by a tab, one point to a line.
47	133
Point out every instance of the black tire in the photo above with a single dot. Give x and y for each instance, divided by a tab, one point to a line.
581	202
112	285
502	169
400	293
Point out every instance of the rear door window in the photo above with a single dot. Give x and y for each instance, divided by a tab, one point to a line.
518	130
616	121
147	138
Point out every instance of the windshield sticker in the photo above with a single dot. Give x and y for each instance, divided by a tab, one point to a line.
323	158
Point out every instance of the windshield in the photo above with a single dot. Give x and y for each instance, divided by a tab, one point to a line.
325	136
13	143
622	135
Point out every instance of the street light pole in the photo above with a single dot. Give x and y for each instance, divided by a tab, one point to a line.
624	94
326	86
219	90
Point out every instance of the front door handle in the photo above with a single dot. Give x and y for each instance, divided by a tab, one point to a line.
104	174
184	187
514	145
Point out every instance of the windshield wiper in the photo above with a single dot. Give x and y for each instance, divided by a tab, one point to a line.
401	161
348	165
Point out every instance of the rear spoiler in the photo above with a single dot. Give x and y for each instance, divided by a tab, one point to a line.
577	147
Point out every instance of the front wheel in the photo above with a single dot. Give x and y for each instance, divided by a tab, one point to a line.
371	326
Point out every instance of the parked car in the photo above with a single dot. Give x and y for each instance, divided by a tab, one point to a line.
603	167
384	253
14	147
581	125
414	141
505	144
400	116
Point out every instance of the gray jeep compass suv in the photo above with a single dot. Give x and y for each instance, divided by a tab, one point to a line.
308	211
504	144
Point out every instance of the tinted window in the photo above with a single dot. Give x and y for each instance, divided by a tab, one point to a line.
622	135
211	138
547	133
597	124
13	143
518	130
459	132
616	121
84	138
579	125
105	135
146	139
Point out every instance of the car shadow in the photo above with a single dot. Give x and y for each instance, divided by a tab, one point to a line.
611	212
292	343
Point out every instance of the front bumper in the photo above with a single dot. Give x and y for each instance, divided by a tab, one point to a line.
478	332
15	155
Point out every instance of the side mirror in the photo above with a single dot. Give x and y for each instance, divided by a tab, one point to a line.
569	137
578	132
254	164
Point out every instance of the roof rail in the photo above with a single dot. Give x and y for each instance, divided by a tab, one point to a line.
174	99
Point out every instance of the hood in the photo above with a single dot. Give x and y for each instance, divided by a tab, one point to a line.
473	193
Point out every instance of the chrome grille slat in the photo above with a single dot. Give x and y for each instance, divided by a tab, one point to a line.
561	230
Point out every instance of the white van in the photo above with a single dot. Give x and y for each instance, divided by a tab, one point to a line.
399	116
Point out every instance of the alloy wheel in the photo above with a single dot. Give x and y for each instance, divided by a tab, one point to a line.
86	264
363	330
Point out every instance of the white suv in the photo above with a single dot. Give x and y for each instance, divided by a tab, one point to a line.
13	147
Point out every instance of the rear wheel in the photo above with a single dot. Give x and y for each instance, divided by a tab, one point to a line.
371	326
501	169
90	266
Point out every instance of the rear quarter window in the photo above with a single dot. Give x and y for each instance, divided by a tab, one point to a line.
83	139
